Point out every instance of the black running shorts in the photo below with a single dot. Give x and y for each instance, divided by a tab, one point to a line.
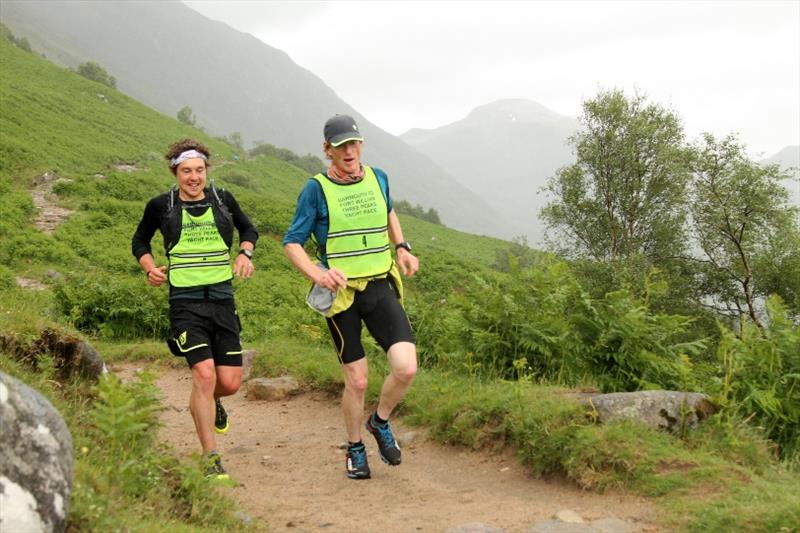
378	306
204	330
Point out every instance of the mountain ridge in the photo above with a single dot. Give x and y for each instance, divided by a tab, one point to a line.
234	83
505	151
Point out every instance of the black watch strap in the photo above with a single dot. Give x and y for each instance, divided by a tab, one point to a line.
247	253
404	244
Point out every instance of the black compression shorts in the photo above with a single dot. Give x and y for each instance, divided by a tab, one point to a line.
378	306
204	330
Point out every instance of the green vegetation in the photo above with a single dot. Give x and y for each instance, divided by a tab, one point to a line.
417	211
505	333
93	71
123	478
310	163
185	116
20	42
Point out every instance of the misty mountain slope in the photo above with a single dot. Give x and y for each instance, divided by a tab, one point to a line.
788	159
168	56
505	151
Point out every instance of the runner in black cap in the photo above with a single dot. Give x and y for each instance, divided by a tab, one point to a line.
348	212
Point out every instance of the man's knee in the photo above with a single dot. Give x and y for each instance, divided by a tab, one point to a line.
357	384
229	379
355	376
204	375
403	360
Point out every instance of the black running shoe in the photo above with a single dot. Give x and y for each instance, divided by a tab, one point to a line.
357	466
220	419
388	448
214	470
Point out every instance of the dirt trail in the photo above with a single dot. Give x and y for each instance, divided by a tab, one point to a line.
50	214
286	457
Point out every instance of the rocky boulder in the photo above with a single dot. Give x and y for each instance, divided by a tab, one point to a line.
659	409
71	355
271	389
35	461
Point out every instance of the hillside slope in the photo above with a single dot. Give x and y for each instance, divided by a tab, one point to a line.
234	83
514	146
789	160
108	149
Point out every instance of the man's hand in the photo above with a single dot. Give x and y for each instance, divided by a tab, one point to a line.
156	276
332	279
243	266
408	263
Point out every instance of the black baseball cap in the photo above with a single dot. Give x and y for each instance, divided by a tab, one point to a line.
341	128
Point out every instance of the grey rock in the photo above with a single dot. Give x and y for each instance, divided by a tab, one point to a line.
667	410
271	389
244	518
569	516
614	525
47	177
557	526
407	438
72	355
88	362
475	527
35	461
53	274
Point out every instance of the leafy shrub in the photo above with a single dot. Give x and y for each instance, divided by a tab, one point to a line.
6	278
761	377
540	320
120	463
93	71
114	307
308	162
407	208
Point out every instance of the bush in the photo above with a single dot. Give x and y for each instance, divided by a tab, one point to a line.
93	71
541	321
114	307
761	377
7	280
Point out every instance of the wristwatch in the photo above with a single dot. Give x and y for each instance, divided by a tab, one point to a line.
247	253
404	244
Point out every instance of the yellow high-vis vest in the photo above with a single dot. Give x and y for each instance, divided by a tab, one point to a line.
358	235
200	257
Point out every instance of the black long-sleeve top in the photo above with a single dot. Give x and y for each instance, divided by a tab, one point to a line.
151	221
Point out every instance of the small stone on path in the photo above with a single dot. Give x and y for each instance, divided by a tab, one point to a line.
475	527
569	516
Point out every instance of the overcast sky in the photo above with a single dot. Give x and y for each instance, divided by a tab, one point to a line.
723	66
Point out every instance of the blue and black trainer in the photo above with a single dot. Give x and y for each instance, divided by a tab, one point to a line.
357	466
388	448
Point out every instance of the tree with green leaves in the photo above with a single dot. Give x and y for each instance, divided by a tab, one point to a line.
626	193
745	227
95	72
185	116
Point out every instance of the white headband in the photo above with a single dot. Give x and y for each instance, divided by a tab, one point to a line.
188	154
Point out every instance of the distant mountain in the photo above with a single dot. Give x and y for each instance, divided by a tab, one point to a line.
505	151
169	56
788	159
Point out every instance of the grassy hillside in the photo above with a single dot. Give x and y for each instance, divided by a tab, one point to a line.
533	328
239	84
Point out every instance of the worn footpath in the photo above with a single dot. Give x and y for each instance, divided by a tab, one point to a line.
287	461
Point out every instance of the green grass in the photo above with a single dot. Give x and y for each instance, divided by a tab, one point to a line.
123	479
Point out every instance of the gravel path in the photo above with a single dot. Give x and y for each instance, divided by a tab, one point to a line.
287	460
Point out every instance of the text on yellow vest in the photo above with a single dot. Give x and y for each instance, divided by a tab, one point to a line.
358	237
